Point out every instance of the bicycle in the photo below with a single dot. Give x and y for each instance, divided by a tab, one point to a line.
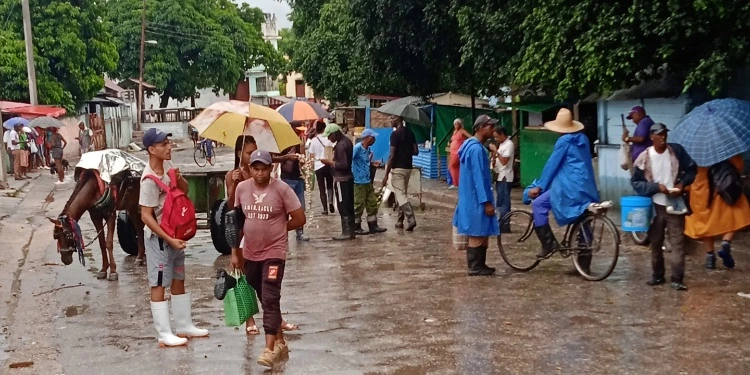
204	152
585	240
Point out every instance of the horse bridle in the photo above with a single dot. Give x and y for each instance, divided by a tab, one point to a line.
66	233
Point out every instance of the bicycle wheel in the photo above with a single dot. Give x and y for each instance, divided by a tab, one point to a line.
595	242
200	157
519	246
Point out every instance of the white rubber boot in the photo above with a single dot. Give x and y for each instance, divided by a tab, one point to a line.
183	321
160	313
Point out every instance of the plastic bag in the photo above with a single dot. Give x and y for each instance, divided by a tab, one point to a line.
625	160
247	300
231	311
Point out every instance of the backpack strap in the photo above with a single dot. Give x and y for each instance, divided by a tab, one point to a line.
158	182
172	173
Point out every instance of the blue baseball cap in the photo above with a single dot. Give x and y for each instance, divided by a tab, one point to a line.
153	136
368	133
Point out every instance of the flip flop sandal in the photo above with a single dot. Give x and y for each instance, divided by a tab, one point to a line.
101	275
113	276
252	330
289	327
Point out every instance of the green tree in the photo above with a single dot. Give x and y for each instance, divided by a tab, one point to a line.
73	48
200	44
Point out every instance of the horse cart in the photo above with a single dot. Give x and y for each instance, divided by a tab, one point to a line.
208	195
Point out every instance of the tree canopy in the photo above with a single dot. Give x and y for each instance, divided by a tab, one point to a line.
73	48
565	48
199	44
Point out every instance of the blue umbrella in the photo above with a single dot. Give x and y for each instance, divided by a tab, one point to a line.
715	131
11	123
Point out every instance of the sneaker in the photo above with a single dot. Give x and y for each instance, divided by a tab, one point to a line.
726	256
710	261
678	286
280	351
656	281
266	359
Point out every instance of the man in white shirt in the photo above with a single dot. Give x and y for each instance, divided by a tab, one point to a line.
502	159
662	172
323	173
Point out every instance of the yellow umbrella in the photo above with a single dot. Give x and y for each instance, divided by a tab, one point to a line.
225	121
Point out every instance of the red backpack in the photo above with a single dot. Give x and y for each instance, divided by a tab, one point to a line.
178	216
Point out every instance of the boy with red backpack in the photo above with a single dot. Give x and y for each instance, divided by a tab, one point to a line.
169	219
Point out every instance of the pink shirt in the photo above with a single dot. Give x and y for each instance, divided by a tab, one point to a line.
266	214
456	141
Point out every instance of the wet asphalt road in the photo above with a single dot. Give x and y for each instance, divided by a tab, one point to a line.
397	303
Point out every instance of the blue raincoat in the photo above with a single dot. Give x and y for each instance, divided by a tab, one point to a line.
474	190
569	177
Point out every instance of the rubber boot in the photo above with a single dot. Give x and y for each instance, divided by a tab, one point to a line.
473	262
160	314
483	259
584	250
548	240
347	230
374	228
411	221
183	321
358	228
400	220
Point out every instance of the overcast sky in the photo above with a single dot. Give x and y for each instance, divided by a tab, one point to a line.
280	8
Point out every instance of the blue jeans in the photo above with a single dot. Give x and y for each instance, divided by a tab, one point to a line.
502	191
299	188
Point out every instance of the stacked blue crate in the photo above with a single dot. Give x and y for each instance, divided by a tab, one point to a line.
427	160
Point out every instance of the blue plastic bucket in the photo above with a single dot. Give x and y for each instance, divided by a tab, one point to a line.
636	213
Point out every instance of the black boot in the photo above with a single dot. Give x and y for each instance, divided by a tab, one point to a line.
483	259
473	262
347	230
548	240
331	208
400	220
411	221
374	228
358	228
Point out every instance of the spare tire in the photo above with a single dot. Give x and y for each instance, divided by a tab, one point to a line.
216	224
126	234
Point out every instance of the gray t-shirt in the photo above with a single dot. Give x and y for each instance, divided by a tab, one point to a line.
151	194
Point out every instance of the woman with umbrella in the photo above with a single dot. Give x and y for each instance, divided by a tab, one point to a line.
715	134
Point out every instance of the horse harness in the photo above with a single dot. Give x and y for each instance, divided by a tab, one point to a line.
106	205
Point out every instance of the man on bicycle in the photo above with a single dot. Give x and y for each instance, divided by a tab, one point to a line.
567	186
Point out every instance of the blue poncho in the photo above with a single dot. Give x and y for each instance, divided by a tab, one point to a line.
474	190
569	177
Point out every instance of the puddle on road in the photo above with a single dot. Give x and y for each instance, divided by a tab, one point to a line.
75	310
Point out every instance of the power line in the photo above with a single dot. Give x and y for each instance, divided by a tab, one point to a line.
176	36
157	28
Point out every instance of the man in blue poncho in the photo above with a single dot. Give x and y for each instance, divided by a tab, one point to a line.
567	186
475	211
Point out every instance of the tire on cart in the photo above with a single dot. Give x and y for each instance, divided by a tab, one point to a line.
126	234
216	224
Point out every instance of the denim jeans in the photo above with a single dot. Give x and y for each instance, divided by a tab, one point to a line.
299	188
502	191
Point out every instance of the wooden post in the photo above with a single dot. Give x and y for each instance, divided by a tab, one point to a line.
140	76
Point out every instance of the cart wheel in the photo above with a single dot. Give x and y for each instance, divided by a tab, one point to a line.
126	234
216	225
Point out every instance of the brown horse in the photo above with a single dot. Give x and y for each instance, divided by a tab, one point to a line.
102	205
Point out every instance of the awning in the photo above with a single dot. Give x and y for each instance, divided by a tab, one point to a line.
106	101
31	111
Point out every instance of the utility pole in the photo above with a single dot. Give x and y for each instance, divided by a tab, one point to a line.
140	78
29	52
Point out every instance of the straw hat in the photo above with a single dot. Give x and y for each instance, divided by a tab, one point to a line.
564	123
